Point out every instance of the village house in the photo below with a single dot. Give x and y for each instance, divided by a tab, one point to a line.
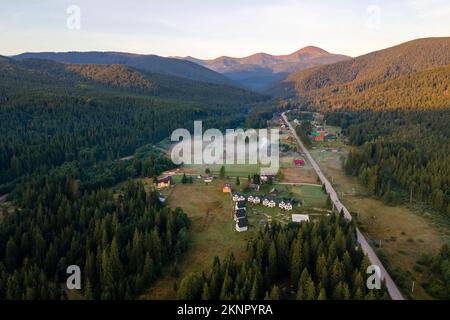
318	117
226	188
164	182
256	200
265	202
250	198
235	197
265	178
281	205
242	225
272	204
288	206
239	214
300	218
208	179
330	137
240	205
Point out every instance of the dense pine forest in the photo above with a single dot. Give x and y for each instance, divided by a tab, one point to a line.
306	262
401	154
122	242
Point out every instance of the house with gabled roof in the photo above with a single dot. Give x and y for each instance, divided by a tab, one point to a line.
300	218
226	188
239	214
242	225
240	205
164	182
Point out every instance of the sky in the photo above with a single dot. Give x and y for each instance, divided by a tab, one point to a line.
211	28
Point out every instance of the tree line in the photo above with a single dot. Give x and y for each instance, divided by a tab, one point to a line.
306	262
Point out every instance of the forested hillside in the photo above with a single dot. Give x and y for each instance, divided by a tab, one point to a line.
311	261
149	63
52	113
403	153
412	74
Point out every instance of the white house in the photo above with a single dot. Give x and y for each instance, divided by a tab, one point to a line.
256	200
300	218
250	198
242	225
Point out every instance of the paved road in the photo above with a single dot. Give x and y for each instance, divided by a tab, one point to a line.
392	288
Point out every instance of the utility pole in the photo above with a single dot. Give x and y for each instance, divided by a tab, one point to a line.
410	195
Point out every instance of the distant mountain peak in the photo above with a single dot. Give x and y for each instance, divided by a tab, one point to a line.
312	50
260	70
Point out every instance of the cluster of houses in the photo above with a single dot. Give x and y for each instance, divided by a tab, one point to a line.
240	216
320	134
270	203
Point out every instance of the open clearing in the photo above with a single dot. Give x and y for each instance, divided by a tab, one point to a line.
212	232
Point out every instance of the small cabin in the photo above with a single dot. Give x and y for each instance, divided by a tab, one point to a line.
242	225
239	214
300	218
208	179
164	182
226	188
240	205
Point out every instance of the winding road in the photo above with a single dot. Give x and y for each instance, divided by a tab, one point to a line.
394	292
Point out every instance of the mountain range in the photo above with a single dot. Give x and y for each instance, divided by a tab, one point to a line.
261	70
28	75
414	73
150	63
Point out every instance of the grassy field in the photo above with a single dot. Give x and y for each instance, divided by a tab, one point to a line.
232	170
212	232
405	232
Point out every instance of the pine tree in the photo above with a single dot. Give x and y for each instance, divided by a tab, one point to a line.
296	263
273	262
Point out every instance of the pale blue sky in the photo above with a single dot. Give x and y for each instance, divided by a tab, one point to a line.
210	28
